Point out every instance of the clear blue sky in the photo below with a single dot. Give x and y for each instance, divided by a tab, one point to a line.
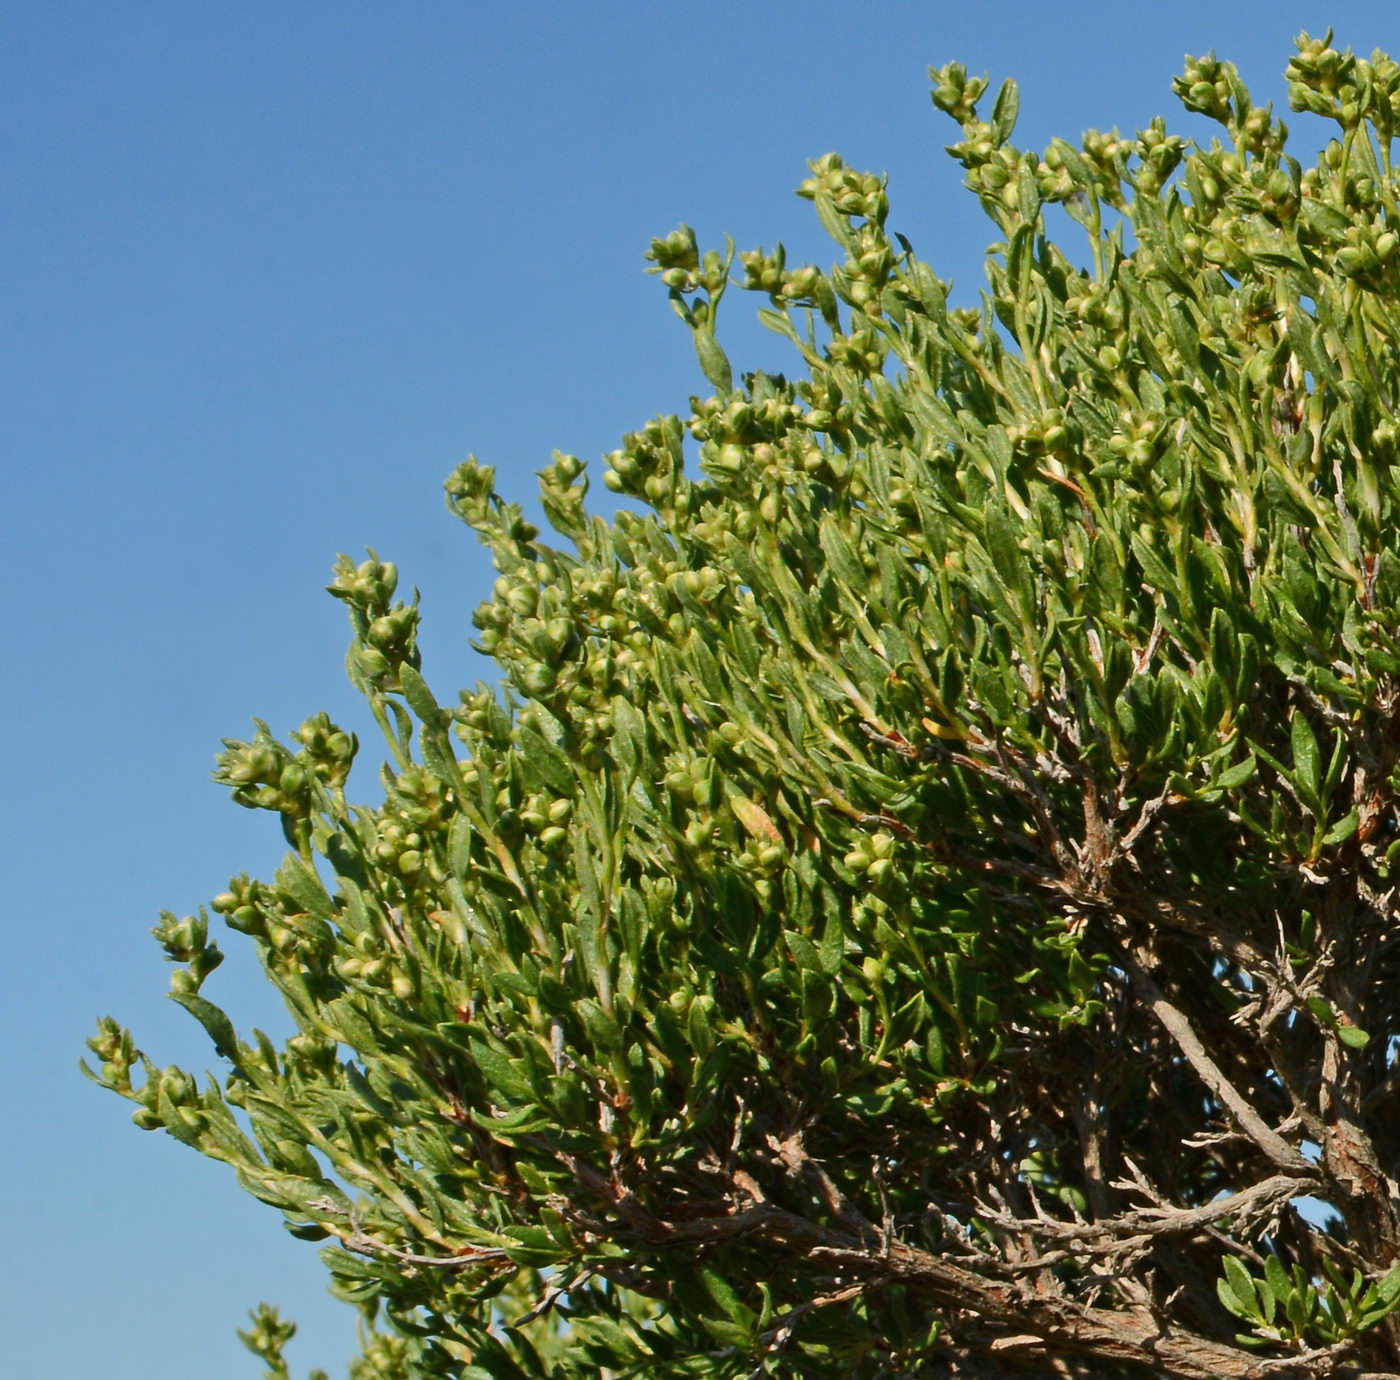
269	272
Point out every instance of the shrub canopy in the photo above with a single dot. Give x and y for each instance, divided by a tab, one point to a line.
924	901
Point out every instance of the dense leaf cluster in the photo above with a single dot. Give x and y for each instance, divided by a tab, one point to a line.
924	901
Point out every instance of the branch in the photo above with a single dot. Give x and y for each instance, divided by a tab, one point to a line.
1174	1022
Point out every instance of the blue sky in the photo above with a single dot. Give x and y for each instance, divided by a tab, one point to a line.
269	272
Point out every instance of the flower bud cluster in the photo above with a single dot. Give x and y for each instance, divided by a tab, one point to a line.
649	464
386	632
1106	153
1369	256
862	351
1341	87
113	1045
400	849
187	941
535	649
765	416
760	858
169	1094
327	749
808	286
1043	434
265	776
858	195
694	781
683	269
955	93
425	800
479	715
545	819
828	409
471	490
502	526
1275	193
1208	87
872	857
367	961
1159	155
563	488
1139	440
764	272
245	906
865	275
268	1337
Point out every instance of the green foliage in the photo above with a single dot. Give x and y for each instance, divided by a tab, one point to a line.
923	893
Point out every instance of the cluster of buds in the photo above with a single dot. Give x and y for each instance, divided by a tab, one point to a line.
1106	153
425	800
545	819
400	848
650	461
386	632
479	715
760	859
268	1336
1047	433
168	1096
1097	306
809	286
701	586
368	962
980	147
311	1053
187	941
1159	155
1214	89
1208	87
872	857
327	749
828	409
563	489
764	272
265	776
526	628
1139	439
863	351
1272	192
1247	318
858	195
695	781
114	1047
244	905
471	494
766	415
1368	256
864	276
367	587
1327	82
955	93
678	261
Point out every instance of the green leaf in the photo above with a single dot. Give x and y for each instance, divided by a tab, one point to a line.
1237	1292
420	698
501	1073
213	1019
804	951
1343	829
1353	1036
714	363
1008	105
1233	777
1307	760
